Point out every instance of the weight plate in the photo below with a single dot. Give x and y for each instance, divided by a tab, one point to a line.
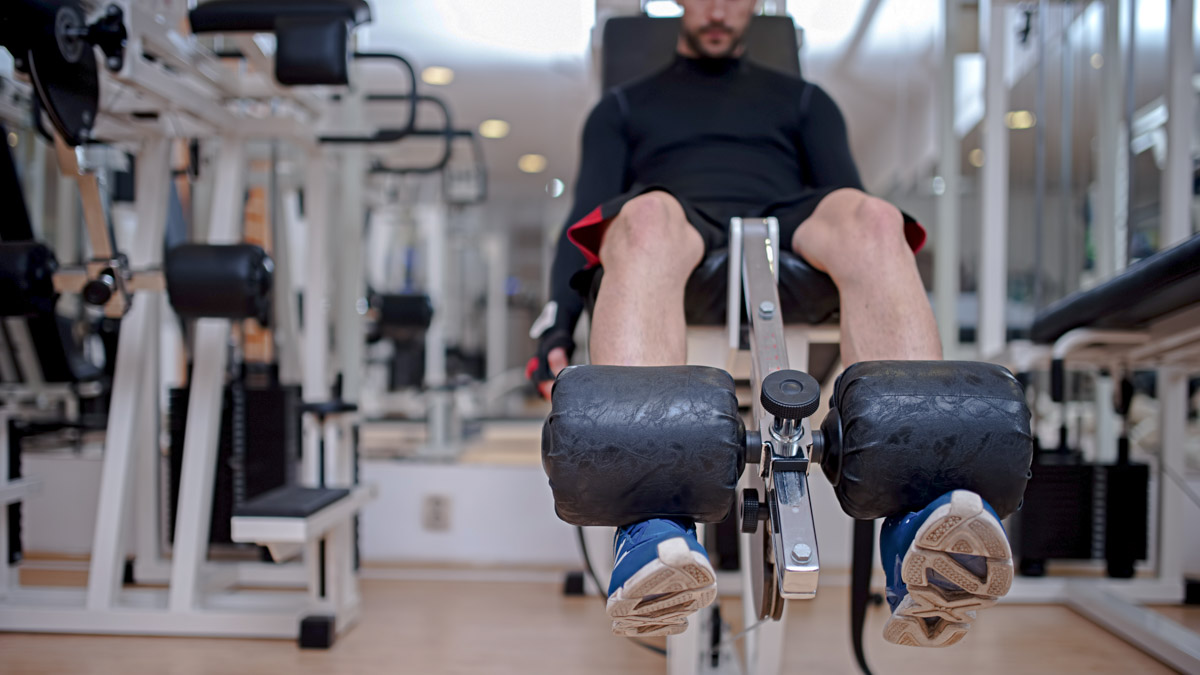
70	92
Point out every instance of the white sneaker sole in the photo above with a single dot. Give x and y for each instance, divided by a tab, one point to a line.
963	526
658	598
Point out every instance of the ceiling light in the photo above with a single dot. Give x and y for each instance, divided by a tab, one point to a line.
13	139
1020	119
976	158
437	75
532	163
493	129
663	8
556	188
1097	61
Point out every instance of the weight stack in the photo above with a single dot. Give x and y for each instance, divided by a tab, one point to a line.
259	444
1080	511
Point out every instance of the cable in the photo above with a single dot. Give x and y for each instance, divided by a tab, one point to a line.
587	563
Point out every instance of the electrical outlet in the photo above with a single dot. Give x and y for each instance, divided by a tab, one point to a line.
435	513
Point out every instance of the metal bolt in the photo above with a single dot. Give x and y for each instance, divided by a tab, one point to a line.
766	309
801	553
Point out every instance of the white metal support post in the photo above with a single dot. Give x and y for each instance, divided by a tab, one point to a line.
497	247
315	309
5	477
1107	226
1176	222
433	221
946	260
152	190
1173	424
351	284
993	255
133	405
205	398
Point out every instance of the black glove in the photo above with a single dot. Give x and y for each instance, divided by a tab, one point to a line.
552	330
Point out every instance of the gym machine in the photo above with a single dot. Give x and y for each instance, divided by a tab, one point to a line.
625	444
160	85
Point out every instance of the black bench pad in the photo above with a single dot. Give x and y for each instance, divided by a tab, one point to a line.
1151	289
290	501
807	296
217	16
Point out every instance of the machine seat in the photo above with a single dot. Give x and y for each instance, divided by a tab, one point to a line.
229	16
1164	283
807	296
290	501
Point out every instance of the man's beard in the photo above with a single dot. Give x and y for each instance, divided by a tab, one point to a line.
696	42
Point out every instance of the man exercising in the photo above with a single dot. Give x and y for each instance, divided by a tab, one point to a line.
666	162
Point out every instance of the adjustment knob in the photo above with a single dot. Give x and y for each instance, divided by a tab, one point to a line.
790	394
750	511
99	291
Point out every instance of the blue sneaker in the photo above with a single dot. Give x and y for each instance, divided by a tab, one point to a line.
661	574
942	564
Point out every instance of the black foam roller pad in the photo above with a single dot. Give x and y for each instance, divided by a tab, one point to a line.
27	279
623	444
220	281
914	430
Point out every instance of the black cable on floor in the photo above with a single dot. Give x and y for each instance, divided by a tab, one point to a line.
587	563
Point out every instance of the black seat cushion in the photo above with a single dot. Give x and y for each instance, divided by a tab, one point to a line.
806	295
217	16
1150	289
290	501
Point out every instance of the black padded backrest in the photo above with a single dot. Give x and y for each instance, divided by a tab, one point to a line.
636	46
1149	290
261	15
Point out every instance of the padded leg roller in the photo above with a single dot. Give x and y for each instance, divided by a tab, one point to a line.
900	434
623	444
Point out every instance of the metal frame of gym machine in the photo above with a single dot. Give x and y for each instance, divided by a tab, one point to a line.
201	598
1111	603
770	572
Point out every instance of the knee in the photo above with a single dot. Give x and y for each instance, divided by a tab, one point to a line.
858	217
650	224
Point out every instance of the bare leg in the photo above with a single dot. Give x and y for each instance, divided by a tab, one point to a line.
648	253
859	241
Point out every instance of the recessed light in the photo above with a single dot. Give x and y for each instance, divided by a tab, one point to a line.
556	188
976	158
1020	119
493	129
437	75
13	139
532	163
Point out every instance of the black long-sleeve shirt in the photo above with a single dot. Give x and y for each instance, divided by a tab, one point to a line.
720	132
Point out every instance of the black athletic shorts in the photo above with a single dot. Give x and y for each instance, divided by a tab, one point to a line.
711	220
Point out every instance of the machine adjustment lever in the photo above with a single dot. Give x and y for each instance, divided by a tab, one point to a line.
754	447
753	511
790	395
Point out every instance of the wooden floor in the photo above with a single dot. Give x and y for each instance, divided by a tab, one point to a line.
528	628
